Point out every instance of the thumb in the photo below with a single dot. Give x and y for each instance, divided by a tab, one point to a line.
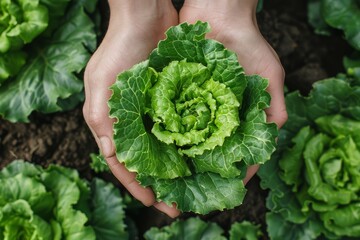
96	111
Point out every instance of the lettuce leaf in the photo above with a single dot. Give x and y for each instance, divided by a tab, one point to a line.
189	121
344	15
313	176
327	15
191	229
55	203
21	21
245	230
197	229
49	79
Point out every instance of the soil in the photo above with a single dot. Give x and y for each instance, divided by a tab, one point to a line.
64	138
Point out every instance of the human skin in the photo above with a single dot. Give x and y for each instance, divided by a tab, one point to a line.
135	27
233	23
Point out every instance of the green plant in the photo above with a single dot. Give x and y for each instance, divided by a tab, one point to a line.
55	203
189	121
98	163
196	229
44	46
20	23
327	15
314	175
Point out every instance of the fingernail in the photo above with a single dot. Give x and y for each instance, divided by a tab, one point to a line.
106	146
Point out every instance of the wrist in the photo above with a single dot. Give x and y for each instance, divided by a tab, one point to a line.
131	11
145	19
241	6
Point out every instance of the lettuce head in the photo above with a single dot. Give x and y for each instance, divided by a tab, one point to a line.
189	121
55	203
314	176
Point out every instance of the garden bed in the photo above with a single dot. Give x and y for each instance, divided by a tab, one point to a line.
64	138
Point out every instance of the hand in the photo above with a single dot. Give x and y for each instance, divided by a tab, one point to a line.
233	23
135	27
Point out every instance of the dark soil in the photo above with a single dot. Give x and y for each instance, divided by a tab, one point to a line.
64	138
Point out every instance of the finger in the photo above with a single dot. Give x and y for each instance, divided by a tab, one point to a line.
98	126
128	180
96	111
277	111
250	173
171	211
96	114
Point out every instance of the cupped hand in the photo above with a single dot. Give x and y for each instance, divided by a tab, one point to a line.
233	23
135	27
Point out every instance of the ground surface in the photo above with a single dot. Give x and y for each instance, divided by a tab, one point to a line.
63	138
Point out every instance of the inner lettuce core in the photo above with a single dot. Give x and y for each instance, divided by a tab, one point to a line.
192	110
189	122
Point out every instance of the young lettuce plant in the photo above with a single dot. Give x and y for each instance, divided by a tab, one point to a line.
327	15
189	121
44	45
20	23
314	175
55	203
197	229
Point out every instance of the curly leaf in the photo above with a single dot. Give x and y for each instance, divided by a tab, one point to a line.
318	157
10	64
190	193
51	74
55	203
245	230
190	229
108	215
189	119
33	227
344	15
21	22
140	150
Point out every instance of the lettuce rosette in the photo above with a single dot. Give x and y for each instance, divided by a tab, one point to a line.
44	47
329	16
55	203
20	22
314	176
189	121
197	229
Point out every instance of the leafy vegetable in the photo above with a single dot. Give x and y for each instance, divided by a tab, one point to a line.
20	23
325	15
196	229
189	121
352	66
314	176
245	230
98	163
191	229
40	69
54	203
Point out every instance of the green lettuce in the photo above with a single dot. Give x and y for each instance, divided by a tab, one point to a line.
314	175
55	203
20	22
197	229
245	230
189	121
98	163
44	45
352	66
327	15
191	229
